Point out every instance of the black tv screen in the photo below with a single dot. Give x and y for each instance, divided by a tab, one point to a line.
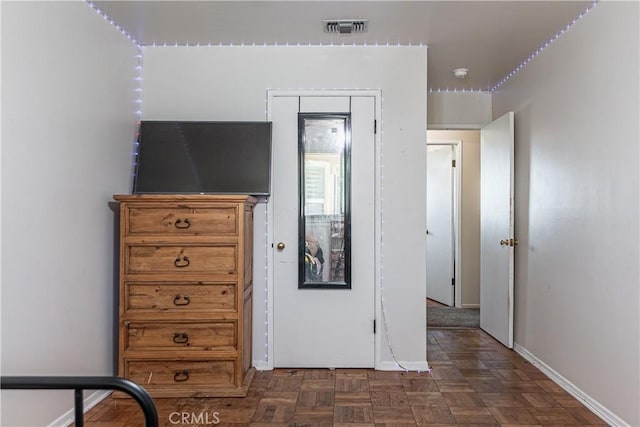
203	157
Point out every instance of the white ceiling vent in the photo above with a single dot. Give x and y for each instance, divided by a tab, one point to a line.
345	26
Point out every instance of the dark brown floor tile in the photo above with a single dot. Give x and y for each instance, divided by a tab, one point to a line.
321	415
419	384
507	415
346	398
386	375
284	383
476	415
386	384
476	373
279	372
435	355
463	400
469	364
433	415
585	416
389	398
454	386
393	414
319	374
567	401
228	415
553	416
503	400
275	407
307	398
353	424
550	387
309	384
351	385
522	387
429	398
362	413
487	385
394	424
449	373
540	400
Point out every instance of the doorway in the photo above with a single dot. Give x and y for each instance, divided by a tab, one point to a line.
323	226
461	185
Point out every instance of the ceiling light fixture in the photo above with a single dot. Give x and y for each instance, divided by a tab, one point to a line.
460	73
345	26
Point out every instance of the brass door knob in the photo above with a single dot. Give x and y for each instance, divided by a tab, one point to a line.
280	246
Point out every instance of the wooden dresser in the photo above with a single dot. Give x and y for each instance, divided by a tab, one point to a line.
185	295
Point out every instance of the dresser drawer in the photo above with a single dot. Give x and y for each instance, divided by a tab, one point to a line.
182	220
220	259
183	373
214	336
141	297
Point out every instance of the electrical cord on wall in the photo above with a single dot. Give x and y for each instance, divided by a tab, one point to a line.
386	330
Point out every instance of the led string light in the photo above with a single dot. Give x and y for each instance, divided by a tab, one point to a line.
112	22
544	46
462	90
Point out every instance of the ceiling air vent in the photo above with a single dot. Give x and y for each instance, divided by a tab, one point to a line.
345	26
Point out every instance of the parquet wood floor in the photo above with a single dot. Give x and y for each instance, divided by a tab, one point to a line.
475	381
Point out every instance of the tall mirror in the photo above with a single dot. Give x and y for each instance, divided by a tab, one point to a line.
324	145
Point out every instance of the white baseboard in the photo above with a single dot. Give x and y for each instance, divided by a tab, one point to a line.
89	402
421	366
592	404
470	306
261	365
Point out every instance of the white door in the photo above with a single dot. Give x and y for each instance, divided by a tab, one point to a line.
440	248
323	326
497	240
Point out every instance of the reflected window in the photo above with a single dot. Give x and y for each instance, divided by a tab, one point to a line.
324	143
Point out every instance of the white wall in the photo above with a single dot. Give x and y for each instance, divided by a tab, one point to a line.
577	187
231	83
458	110
68	126
470	211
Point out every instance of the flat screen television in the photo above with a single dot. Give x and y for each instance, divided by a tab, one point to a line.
182	157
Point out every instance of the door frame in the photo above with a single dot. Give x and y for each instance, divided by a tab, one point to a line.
269	238
457	217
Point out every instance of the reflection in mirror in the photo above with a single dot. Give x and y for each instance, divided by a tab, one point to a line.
324	229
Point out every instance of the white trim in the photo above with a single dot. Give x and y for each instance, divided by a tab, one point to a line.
377	95
262	365
592	404
90	401
421	366
470	306
439	126
457	144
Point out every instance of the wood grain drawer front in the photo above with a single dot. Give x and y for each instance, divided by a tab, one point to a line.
180	298
182	259
183	221
218	336
212	373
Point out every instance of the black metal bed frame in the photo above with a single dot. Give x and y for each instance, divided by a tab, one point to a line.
78	384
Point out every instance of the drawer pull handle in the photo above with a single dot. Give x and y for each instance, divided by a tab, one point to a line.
181	300
181	376
181	338
182	224
181	262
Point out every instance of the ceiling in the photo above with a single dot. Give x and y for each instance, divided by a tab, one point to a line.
490	38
